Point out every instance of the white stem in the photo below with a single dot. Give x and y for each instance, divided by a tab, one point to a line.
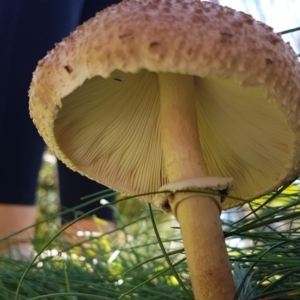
179	129
198	215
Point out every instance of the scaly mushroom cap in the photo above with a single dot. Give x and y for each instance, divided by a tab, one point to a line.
95	97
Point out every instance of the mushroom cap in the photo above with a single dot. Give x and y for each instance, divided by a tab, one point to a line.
95	97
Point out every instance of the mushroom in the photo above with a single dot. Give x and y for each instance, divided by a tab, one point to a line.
175	96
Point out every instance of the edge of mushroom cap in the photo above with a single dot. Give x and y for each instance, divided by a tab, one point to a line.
102	45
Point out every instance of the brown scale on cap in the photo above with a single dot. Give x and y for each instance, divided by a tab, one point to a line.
185	38
175	95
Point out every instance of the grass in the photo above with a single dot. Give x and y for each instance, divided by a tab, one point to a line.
143	258
128	265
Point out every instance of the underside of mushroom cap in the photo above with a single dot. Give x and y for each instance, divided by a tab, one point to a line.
95	97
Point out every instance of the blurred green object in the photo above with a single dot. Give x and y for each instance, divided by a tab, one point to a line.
263	243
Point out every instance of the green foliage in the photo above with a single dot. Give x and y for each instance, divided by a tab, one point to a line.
143	258
105	268
266	260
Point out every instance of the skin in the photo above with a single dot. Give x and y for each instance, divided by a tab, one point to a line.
14	218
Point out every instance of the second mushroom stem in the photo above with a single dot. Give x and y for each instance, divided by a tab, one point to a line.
198	215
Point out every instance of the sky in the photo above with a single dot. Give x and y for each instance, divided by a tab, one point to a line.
279	14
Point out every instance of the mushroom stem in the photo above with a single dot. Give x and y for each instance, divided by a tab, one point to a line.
197	215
